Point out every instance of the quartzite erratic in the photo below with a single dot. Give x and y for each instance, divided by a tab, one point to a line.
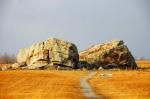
113	54
52	52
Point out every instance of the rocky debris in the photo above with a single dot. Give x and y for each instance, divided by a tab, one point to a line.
15	66
4	67
63	68
100	68
113	54
19	66
52	51
105	75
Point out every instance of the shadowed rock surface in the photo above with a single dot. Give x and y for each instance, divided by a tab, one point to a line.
113	54
49	53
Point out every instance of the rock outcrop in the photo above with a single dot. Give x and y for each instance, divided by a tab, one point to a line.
113	54
49	53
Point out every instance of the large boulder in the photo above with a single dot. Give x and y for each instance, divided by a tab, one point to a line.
52	51
113	54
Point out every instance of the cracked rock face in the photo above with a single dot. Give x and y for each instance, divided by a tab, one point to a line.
52	51
108	55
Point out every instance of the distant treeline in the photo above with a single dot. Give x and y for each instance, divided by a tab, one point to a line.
7	58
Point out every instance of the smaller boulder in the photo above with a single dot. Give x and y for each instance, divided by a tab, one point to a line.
3	68
113	54
15	66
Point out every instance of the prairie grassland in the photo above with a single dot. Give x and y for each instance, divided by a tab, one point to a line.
40	84
122	84
143	63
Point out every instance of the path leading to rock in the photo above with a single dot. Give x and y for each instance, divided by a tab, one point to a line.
87	90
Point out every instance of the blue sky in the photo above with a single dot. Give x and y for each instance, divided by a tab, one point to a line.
83	22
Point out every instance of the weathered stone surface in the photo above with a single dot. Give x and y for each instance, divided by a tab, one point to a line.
52	51
113	54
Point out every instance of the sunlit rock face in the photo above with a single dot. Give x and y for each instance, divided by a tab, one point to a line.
113	54
50	52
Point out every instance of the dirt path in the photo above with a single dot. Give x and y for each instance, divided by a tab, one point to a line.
87	88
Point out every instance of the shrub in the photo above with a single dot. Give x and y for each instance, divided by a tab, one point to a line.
7	58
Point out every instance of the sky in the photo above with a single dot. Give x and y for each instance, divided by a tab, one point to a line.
82	22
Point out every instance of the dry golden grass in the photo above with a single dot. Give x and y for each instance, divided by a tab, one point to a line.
122	84
41	84
143	63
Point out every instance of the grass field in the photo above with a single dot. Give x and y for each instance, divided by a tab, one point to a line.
122	84
42	84
54	84
143	63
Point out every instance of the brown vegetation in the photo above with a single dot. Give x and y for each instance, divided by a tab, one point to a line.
8	65
122	84
47	84
143	64
7	59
